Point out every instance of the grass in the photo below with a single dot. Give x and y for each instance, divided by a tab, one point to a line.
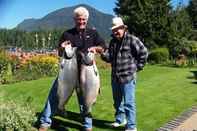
162	93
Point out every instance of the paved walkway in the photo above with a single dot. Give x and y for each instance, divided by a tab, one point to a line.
187	121
188	125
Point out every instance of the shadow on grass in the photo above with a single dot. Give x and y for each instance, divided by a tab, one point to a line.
73	120
194	74
195	82
193	77
62	125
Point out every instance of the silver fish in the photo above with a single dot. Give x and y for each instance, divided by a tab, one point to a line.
87	84
89	80
67	77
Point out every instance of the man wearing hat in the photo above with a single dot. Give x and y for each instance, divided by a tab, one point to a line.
127	55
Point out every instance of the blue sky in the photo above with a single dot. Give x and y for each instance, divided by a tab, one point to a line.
12	12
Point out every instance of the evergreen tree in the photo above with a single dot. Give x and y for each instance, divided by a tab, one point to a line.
27	40
192	10
181	22
149	20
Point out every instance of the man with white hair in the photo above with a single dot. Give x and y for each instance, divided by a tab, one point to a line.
85	39
127	55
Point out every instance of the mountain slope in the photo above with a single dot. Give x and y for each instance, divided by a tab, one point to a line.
63	18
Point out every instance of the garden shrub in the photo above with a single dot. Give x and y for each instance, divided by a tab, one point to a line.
15	63
25	73
43	64
159	56
193	54
5	67
189	56
181	61
15	116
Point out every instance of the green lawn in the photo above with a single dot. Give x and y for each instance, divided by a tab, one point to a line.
162	94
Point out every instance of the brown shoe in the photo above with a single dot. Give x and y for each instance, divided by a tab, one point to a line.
43	129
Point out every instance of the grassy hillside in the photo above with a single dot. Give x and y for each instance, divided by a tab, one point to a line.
162	93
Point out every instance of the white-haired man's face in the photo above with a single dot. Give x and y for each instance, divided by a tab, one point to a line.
81	21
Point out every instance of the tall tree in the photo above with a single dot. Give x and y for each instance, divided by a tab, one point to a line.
181	22
149	20
192	10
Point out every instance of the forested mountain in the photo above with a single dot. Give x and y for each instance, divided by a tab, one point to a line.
63	18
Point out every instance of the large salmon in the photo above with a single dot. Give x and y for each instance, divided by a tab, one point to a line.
68	76
89	80
86	81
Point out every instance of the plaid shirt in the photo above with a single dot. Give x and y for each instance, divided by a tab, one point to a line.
130	58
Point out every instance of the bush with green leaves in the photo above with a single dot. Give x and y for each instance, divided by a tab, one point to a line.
44	65
26	74
159	56
15	116
5	67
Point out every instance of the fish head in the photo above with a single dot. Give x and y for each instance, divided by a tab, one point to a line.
69	51
88	58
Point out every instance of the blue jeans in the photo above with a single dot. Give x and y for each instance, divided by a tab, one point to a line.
124	102
51	107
